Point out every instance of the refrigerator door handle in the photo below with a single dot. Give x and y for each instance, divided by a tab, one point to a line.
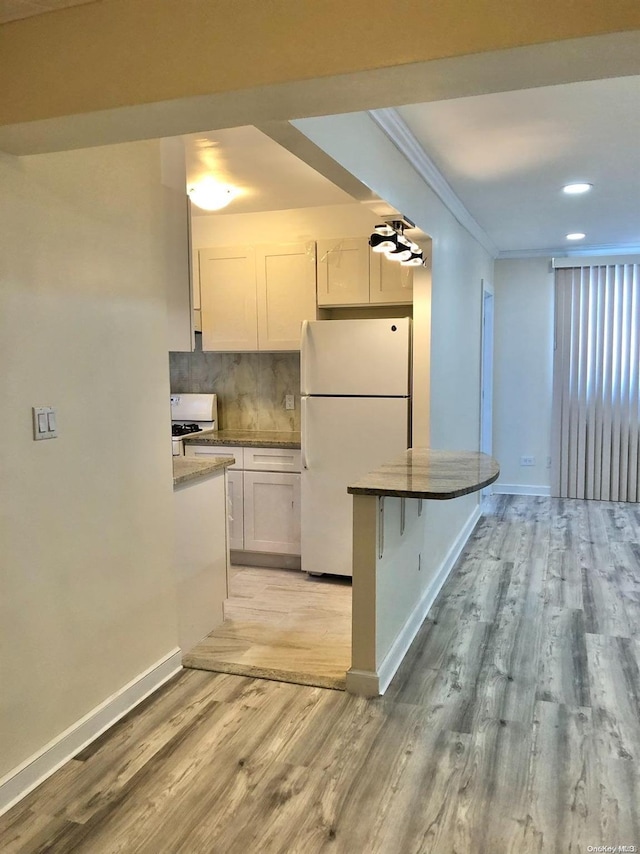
303	433
304	334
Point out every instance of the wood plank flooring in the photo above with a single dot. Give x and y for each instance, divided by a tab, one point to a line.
281	624
512	727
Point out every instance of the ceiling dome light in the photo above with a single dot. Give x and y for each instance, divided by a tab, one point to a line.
576	189
576	235
209	195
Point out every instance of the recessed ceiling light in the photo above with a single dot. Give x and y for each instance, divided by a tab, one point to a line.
576	189
576	235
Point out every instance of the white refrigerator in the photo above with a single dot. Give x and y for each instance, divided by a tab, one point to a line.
355	380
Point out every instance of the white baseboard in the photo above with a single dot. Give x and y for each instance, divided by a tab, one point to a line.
21	780
275	561
368	683
363	683
519	489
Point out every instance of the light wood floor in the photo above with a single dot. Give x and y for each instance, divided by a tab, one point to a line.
512	727
281	624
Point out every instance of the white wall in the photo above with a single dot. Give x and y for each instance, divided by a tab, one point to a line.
523	373
459	264
86	589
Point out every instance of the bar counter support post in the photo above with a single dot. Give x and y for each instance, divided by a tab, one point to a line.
364	616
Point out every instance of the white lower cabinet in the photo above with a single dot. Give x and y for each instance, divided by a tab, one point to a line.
235	498
272	512
263	495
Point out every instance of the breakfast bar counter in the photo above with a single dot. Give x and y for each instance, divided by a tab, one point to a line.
398	565
428	473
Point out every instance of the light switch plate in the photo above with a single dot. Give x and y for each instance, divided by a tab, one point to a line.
289	401
44	422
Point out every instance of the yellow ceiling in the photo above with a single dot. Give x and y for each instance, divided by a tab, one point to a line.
15	10
120	53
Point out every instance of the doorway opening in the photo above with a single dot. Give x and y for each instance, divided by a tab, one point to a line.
486	374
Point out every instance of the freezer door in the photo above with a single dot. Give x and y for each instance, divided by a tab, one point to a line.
342	439
356	357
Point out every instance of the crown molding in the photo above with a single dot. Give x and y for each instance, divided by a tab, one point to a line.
604	249
396	129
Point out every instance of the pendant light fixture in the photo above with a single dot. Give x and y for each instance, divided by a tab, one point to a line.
389	237
402	251
383	239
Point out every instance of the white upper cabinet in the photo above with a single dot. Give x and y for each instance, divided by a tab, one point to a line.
350	274
255	298
389	282
228	307
286	293
343	271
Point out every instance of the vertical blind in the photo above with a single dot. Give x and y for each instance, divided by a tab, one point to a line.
596	383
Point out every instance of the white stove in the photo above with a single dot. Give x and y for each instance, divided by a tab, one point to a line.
191	413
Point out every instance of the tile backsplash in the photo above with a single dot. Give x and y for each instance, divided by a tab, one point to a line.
251	387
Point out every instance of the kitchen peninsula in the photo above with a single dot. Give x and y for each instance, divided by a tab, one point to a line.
188	469
200	550
391	597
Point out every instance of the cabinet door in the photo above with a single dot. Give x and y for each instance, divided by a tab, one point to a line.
272	512
228	299
286	288
343	271
235	500
390	282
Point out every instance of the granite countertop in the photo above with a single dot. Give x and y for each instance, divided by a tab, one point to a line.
246	438
186	469
427	473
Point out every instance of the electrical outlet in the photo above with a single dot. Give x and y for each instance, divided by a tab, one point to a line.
289	401
527	461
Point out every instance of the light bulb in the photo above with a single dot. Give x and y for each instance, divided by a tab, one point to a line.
416	260
576	189
399	255
383	243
